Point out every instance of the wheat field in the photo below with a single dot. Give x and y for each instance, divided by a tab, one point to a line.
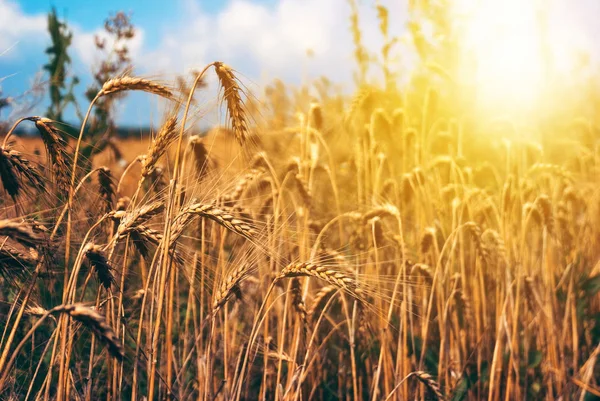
377	246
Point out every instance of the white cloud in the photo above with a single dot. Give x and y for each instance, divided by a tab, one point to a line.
256	39
272	41
86	51
19	30
262	42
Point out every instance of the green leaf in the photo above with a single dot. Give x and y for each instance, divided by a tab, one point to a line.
591	286
462	389
534	359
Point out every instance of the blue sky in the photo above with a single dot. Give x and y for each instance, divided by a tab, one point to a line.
145	13
91	13
261	39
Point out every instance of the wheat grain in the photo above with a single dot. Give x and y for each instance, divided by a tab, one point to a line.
107	188
20	231
120	84
316	116
166	135
320	299
303	189
221	215
232	197
95	255
233	100
13	262
229	287
201	156
428	239
545	207
298	302
322	272
386	210
97	324
429	382
140	215
14	166
56	151
475	231
36	310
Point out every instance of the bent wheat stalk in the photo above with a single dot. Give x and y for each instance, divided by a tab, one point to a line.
13	166
221	215
83	314
322	272
135	84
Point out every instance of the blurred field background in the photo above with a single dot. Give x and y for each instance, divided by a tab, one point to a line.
410	214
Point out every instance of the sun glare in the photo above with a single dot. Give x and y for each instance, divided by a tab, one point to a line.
512	47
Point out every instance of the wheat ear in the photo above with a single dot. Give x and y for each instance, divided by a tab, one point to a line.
222	216
107	188
166	135
95	255
56	149
233	100
97	324
320	299
229	287
325	273
19	231
429	382
134	83
14	262
298	303
13	166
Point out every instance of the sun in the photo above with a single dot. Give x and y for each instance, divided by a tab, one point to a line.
513	50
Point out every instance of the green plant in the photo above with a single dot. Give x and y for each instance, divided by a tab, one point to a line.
61	91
